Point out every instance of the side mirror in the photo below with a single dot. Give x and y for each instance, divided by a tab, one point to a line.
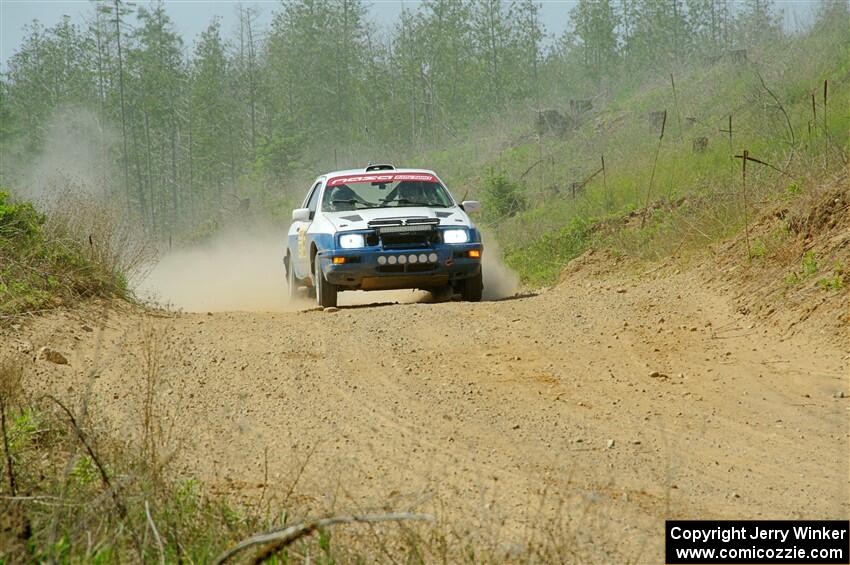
301	215
470	206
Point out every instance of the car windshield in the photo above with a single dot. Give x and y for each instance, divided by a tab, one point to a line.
384	191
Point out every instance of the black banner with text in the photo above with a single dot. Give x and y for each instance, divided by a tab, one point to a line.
763	542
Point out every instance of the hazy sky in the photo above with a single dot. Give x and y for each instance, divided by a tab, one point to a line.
192	16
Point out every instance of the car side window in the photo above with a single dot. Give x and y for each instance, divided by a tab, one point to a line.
314	199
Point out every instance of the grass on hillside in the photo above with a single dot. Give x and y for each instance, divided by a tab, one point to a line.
779	115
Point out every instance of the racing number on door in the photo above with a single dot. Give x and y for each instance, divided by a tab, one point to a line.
302	242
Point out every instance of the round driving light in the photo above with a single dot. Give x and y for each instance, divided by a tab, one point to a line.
392	260
382	260
412	258
423	258
432	257
402	259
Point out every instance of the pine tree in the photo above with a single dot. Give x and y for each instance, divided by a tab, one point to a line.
757	21
156	68
708	24
529	33
494	45
596	23
659	32
212	110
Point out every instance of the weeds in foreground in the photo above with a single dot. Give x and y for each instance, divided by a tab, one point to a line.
836	280
808	268
758	250
72	491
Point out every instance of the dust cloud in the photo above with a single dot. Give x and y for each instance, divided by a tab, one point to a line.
243	271
74	157
233	271
499	280
239	271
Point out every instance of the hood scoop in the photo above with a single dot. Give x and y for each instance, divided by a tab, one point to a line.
352	218
443	214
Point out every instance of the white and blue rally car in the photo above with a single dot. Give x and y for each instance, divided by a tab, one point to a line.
382	228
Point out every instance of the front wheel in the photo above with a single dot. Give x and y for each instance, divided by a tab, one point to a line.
326	292
441	293
472	288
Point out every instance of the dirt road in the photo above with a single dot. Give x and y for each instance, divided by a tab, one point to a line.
594	410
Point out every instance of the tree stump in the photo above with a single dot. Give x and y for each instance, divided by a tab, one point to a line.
552	121
580	106
656	119
738	55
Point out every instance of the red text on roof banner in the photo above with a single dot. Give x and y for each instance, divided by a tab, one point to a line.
392	177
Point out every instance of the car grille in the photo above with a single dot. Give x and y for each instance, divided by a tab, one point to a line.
406	233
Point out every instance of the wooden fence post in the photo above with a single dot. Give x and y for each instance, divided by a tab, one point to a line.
746	156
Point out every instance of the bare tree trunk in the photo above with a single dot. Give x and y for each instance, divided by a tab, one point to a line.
149	173
232	164
175	204
494	58
140	186
101	91
117	7
252	87
192	198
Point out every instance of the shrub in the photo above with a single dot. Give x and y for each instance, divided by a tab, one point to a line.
836	281
46	261
809	264
759	249
18	220
808	268
541	261
503	197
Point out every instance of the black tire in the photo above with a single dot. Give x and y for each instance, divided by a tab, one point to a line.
291	280
326	292
472	288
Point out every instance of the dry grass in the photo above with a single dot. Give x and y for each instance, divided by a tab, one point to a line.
94	227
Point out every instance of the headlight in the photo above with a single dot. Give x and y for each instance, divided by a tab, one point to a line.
455	236
352	240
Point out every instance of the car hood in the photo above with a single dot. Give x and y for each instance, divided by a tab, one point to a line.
359	219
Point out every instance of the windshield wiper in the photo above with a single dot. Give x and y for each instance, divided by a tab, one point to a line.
354	203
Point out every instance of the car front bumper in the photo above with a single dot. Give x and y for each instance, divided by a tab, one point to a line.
370	268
